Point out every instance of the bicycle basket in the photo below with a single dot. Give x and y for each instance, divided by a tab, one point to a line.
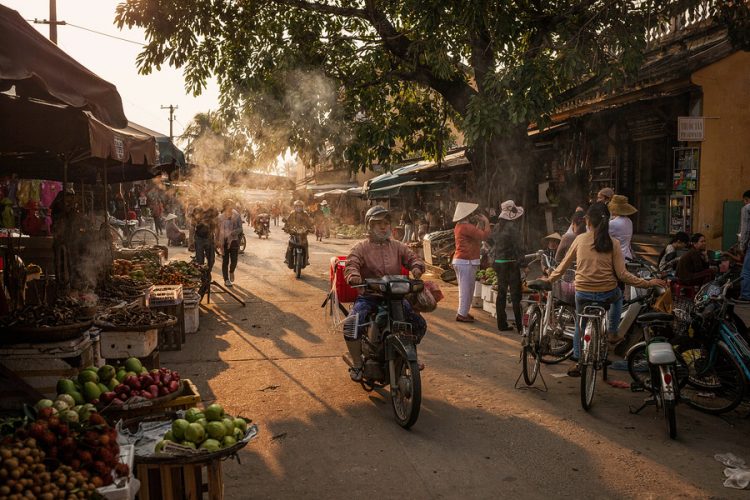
349	326
564	289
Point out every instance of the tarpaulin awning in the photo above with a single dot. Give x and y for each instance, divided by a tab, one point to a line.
357	191
40	69
328	187
37	139
390	191
167	152
332	191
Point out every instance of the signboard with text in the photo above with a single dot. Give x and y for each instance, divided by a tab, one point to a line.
689	128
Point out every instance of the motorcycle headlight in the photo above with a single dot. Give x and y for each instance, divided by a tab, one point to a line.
400	287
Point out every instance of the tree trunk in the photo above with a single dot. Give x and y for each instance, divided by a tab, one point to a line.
504	168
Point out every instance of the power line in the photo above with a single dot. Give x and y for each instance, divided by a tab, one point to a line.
64	23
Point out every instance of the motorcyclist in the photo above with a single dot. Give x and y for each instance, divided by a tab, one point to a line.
298	219
377	256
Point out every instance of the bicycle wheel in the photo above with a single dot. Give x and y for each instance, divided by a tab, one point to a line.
639	370
531	358
142	237
716	383
588	366
669	408
556	346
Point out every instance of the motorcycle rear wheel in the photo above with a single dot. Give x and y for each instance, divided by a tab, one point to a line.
560	348
406	392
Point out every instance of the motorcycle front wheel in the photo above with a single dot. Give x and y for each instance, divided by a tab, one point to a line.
406	392
298	265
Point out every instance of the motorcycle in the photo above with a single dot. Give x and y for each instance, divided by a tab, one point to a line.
263	225
296	251
389	351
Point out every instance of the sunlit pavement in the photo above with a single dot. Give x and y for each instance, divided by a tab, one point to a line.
477	436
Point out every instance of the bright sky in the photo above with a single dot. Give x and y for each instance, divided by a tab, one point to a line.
114	61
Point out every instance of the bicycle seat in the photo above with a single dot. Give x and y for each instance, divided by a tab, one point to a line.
660	353
655	317
539	285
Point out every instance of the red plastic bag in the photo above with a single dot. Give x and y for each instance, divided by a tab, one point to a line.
427	299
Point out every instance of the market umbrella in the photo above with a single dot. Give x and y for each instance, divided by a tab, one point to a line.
47	141
40	69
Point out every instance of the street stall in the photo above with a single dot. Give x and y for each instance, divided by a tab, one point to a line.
83	319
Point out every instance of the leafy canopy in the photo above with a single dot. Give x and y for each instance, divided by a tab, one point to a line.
369	81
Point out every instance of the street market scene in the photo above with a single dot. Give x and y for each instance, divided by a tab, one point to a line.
307	249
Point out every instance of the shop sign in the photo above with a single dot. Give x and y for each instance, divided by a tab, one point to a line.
689	128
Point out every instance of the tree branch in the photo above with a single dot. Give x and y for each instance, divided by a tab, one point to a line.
324	8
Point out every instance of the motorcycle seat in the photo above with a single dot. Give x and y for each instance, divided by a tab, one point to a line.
660	353
655	317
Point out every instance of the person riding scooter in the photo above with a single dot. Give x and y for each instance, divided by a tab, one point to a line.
377	256
262	224
298	219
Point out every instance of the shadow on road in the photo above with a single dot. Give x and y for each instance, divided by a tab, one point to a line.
468	458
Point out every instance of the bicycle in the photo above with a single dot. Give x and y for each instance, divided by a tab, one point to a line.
128	236
661	363
593	347
718	360
548	326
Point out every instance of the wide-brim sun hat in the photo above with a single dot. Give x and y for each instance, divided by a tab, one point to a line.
170	217
463	210
619	205
510	211
553	236
324	202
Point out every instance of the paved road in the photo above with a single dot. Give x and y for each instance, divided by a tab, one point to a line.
477	436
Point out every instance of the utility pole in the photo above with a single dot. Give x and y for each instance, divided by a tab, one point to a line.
171	115
53	22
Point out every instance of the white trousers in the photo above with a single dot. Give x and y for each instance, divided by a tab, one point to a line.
466	276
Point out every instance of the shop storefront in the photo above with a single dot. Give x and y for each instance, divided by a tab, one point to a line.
668	143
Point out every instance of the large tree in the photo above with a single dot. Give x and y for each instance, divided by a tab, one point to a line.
366	81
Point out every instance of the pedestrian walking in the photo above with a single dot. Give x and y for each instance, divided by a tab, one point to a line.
408	224
507	258
469	233
205	228
228	232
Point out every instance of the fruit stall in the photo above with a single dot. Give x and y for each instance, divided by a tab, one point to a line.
115	431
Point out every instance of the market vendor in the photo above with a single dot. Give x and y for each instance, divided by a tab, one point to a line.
33	224
175	236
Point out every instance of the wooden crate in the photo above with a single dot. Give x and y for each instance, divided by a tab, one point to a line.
180	481
114	344
42	365
172	338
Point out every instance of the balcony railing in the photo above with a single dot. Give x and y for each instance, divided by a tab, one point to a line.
679	25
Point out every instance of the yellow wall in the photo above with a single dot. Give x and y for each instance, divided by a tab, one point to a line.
725	151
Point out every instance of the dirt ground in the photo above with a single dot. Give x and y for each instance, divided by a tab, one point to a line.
477	436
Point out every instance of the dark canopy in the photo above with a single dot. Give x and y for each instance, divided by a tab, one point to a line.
37	139
41	70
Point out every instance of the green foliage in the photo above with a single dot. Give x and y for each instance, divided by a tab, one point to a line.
363	81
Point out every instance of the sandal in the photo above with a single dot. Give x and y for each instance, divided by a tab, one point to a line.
574	371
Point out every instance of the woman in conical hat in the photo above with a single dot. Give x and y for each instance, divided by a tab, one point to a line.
469	239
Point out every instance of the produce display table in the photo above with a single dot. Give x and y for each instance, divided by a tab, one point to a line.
41	365
181	481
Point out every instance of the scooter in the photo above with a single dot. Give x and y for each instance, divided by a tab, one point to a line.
262	225
389	351
296	258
